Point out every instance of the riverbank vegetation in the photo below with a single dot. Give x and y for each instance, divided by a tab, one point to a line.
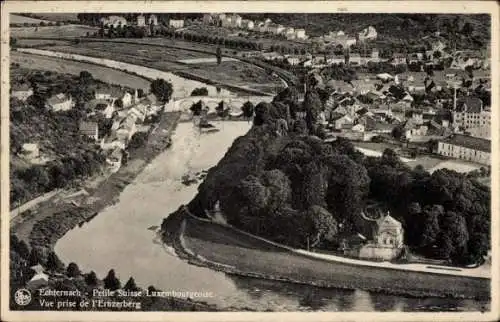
291	187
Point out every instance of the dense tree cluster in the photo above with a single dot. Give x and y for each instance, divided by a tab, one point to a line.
200	91
162	89
298	190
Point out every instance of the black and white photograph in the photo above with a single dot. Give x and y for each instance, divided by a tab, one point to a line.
161	159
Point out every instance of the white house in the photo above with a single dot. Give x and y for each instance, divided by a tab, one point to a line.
38	281
293	61
236	21
127	99
300	34
60	102
21	92
153	19
369	33
176	23
30	151
141	20
247	24
466	148
114	21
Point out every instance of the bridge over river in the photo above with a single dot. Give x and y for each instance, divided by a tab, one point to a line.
232	102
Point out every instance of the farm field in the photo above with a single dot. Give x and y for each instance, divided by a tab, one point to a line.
40	42
53	31
229	72
57	16
22	19
107	75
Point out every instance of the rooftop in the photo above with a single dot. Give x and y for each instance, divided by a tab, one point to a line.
88	128
470	142
57	99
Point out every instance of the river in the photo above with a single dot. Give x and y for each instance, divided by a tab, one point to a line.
120	237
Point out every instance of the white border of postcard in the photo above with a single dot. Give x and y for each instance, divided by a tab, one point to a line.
465	7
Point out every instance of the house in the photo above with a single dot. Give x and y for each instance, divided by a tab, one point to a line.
113	143
236	21
38	281
369	33
153	103
60	102
344	122
469	113
102	106
141	20
153	20
114	21
127	99
293	60
207	19
300	34
176	23
358	128
336	59
466	147
247	24
289	31
413	131
89	129
480	131
398	59
114	160
126	128
139	111
275	29
385	77
414	58
21	91
355	59
383	241
30	151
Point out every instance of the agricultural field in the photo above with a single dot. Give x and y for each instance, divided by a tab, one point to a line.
52	31
57	16
229	72
107	75
29	43
17	19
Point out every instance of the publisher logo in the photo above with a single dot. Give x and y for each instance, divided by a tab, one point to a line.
22	297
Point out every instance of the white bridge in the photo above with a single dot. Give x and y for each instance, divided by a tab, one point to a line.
231	102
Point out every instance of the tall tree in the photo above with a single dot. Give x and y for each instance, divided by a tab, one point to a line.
111	282
161	89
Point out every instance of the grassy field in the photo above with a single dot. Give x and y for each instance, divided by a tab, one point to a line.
107	75
230	72
249	255
57	16
22	19
52	31
40	42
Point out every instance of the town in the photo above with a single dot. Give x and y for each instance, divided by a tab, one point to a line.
362	141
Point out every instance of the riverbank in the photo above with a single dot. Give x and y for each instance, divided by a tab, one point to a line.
220	248
52	221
